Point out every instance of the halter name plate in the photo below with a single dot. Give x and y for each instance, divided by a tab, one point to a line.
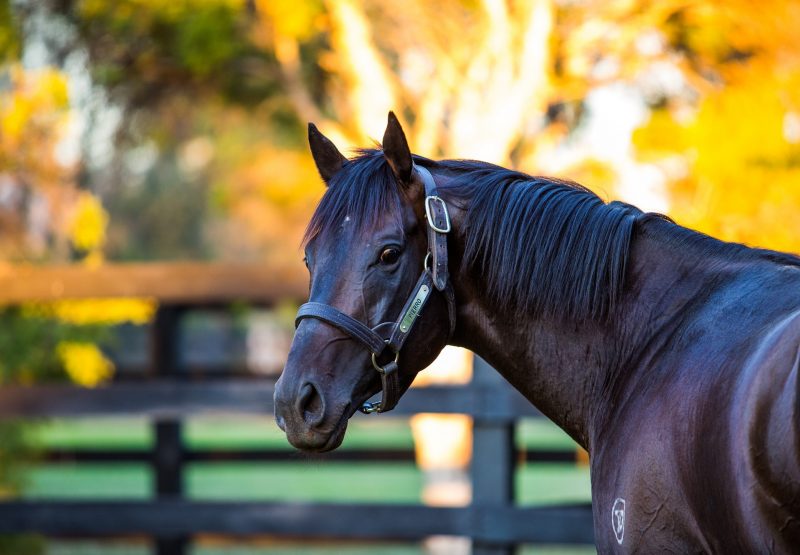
413	310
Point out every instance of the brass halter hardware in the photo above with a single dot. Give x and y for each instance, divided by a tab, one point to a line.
380	368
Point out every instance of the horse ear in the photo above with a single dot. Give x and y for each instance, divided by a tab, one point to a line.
326	156
396	151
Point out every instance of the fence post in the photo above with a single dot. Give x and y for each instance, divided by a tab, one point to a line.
167	457
493	456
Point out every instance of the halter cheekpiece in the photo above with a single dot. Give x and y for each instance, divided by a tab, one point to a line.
434	275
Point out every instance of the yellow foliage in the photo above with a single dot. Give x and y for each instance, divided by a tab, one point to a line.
96	311
34	118
739	145
742	157
289	17
596	174
105	311
31	100
84	363
89	222
662	136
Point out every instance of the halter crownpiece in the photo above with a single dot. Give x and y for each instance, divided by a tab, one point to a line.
434	275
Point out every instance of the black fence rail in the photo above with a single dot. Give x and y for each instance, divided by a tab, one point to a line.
493	521
83	455
172	398
493	526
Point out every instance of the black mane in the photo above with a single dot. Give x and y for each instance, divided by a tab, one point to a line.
544	246
550	247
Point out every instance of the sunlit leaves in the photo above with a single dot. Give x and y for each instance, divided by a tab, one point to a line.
33	104
741	180
34	119
84	363
87	312
88	226
292	18
472	79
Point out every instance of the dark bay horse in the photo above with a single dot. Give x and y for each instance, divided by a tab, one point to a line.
670	356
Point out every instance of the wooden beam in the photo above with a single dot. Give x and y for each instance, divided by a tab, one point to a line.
266	454
168	452
173	399
153	399
167	466
555	524
494	460
172	282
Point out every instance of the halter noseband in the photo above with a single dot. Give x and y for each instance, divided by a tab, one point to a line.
434	275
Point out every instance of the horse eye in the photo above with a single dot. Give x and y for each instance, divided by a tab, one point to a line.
305	261
390	255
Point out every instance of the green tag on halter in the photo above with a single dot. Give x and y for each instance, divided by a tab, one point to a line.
413	310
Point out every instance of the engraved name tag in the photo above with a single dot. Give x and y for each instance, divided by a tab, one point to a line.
413	310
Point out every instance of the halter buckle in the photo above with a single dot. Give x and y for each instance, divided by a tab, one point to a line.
429	214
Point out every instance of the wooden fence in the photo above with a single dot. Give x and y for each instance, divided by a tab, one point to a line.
493	521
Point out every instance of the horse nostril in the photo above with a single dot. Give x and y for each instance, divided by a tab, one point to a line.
310	405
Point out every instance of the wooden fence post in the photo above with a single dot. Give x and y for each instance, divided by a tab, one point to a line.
493	456
168	455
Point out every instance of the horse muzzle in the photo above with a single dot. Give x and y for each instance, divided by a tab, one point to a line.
310	422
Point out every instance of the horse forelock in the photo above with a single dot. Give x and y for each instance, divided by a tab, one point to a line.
363	192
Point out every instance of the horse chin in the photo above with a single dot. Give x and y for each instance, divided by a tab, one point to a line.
321	441
335	439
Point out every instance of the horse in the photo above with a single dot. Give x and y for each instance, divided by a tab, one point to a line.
670	356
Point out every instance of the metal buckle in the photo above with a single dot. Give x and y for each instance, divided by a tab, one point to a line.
369	407
380	368
375	406
428	214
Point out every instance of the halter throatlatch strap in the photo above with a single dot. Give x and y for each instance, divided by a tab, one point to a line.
436	276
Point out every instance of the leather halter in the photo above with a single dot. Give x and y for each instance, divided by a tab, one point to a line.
433	276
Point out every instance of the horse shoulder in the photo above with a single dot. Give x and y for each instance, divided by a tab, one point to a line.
730	463
766	442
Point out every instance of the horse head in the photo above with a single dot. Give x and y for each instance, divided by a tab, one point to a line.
374	264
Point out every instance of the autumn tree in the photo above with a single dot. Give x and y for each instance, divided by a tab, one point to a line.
729	142
506	82
210	90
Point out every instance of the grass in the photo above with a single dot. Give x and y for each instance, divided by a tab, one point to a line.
220	433
303	480
252	481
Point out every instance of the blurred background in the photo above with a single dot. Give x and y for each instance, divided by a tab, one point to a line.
170	135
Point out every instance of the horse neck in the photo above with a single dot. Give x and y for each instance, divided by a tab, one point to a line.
567	369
